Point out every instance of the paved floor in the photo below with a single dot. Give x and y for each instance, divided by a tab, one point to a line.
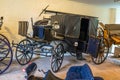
107	70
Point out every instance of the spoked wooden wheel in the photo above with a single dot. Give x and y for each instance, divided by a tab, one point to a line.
103	48
57	58
102	53
6	56
24	52
4	38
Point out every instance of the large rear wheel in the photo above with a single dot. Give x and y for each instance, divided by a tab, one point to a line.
103	47
57	57
6	40
6	55
102	53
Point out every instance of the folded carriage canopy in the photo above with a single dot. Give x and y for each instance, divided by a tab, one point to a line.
71	25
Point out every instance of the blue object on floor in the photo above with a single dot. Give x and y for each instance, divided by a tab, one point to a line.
74	73
81	73
31	69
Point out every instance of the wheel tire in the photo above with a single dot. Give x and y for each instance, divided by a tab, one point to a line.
24	52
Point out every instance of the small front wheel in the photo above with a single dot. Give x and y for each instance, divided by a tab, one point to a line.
24	52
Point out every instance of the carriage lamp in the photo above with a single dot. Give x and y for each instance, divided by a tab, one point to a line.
56	25
75	44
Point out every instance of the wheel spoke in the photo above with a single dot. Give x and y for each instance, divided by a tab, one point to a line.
28	55
21	58
3	63
26	59
3	52
54	66
20	55
20	51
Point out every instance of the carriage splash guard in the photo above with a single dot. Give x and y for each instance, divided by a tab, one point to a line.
93	46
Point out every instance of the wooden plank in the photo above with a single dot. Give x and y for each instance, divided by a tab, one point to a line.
58	12
116	39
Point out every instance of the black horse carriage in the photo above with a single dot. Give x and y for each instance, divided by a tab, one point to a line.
67	32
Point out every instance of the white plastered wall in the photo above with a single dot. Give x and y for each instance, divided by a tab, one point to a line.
20	10
117	17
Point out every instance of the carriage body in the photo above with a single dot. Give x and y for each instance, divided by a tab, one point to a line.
69	32
75	28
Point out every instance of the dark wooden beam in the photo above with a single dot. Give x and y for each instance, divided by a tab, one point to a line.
58	12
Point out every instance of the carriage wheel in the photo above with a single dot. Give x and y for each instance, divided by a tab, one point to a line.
103	48
6	55
4	38
57	57
102	53
24	52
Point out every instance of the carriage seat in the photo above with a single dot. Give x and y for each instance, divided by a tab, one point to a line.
81	73
42	32
57	35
